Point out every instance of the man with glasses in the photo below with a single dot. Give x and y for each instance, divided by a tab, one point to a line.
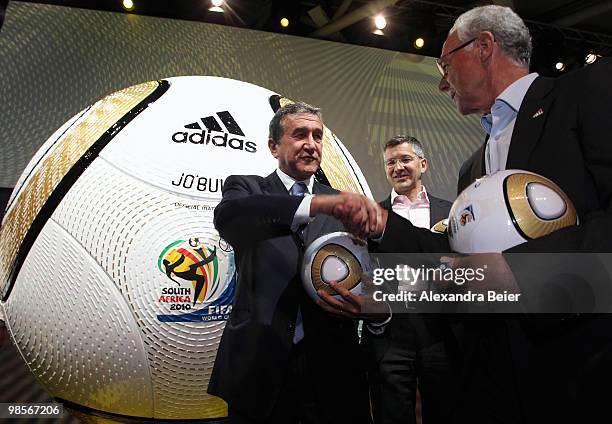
409	350
546	368
530	368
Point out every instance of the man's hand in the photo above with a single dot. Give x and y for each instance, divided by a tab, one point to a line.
361	216
351	305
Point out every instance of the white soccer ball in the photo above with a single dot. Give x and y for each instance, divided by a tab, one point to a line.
334	257
505	209
115	284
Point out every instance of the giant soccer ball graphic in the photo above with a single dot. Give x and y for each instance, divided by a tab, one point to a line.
115	285
505	209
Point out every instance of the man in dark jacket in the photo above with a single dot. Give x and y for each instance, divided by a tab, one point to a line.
530	368
409	350
281	358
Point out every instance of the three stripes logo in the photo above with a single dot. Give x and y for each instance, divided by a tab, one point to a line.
203	132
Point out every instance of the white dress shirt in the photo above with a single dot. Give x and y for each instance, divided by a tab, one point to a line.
499	124
302	214
416	212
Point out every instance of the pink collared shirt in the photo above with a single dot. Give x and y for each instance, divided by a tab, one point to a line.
416	212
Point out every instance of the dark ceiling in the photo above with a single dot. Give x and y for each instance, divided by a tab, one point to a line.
562	29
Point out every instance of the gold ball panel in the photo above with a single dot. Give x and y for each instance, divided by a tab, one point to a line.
528	222
349	282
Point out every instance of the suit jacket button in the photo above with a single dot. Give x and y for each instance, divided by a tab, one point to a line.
291	326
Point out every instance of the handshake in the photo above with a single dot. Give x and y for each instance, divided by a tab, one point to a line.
362	217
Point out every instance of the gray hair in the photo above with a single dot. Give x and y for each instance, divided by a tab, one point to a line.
276	124
509	30
406	139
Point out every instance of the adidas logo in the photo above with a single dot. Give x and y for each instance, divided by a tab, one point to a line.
232	136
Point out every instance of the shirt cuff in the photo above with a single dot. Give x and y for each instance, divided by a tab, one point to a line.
378	328
302	214
380	237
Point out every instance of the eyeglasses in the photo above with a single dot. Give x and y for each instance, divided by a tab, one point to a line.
442	67
404	160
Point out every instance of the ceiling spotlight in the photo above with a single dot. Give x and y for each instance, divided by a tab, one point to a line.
419	43
216	6
590	58
559	66
128	4
284	22
380	22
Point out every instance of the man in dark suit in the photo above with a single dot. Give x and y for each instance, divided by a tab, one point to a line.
281	358
409	350
534	368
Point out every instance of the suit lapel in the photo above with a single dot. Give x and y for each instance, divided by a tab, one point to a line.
386	204
435	211
275	185
478	167
315	226
433	205
472	168
532	116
